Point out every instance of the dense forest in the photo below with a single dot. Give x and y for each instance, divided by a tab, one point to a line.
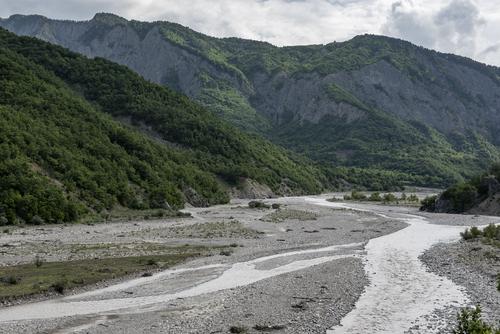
64	154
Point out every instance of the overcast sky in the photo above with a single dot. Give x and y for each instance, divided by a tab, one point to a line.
466	27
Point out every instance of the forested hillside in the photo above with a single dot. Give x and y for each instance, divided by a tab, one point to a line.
478	195
80	136
372	102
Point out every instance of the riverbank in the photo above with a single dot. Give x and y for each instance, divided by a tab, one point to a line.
305	267
311	299
473	265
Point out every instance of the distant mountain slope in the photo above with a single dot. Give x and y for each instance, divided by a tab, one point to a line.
64	154
372	101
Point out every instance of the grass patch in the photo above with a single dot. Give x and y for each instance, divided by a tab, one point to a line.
286	214
121	214
223	229
29	279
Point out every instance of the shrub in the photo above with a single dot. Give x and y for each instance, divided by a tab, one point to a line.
358	196
466	235
462	197
470	322
4	221
429	203
475	232
388	198
12	280
258	205
491	231
237	329
276	206
375	197
413	198
151	262
226	253
59	286
38	261
37	220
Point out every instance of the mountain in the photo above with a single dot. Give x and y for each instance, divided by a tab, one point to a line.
371	102
83	136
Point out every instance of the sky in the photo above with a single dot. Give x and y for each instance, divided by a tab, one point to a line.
467	27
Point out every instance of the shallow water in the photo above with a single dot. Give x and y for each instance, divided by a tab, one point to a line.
238	274
401	291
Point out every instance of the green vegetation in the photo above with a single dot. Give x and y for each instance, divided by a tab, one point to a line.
488	235
222	229
340	95
429	203
246	82
470	322
287	214
258	205
238	329
464	196
29	279
65	157
385	198
375	142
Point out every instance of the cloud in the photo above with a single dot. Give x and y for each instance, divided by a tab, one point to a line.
452	28
407	23
457	26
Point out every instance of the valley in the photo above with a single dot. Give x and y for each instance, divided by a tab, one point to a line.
309	266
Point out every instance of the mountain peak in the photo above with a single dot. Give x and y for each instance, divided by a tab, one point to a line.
109	18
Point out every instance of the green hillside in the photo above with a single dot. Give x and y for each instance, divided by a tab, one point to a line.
370	102
65	155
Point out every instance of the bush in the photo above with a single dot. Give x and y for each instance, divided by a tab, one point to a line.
357	196
475	232
12	280
59	286
38	261
4	221
258	205
37	220
375	197
429	203
388	198
492	232
466	235
413	198
276	206
237	329
462	196
470	322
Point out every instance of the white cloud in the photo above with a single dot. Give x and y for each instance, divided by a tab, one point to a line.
466	27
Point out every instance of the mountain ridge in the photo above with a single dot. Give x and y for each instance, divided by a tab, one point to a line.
370	102
75	142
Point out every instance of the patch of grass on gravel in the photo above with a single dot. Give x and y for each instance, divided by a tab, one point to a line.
223	229
279	216
30	279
